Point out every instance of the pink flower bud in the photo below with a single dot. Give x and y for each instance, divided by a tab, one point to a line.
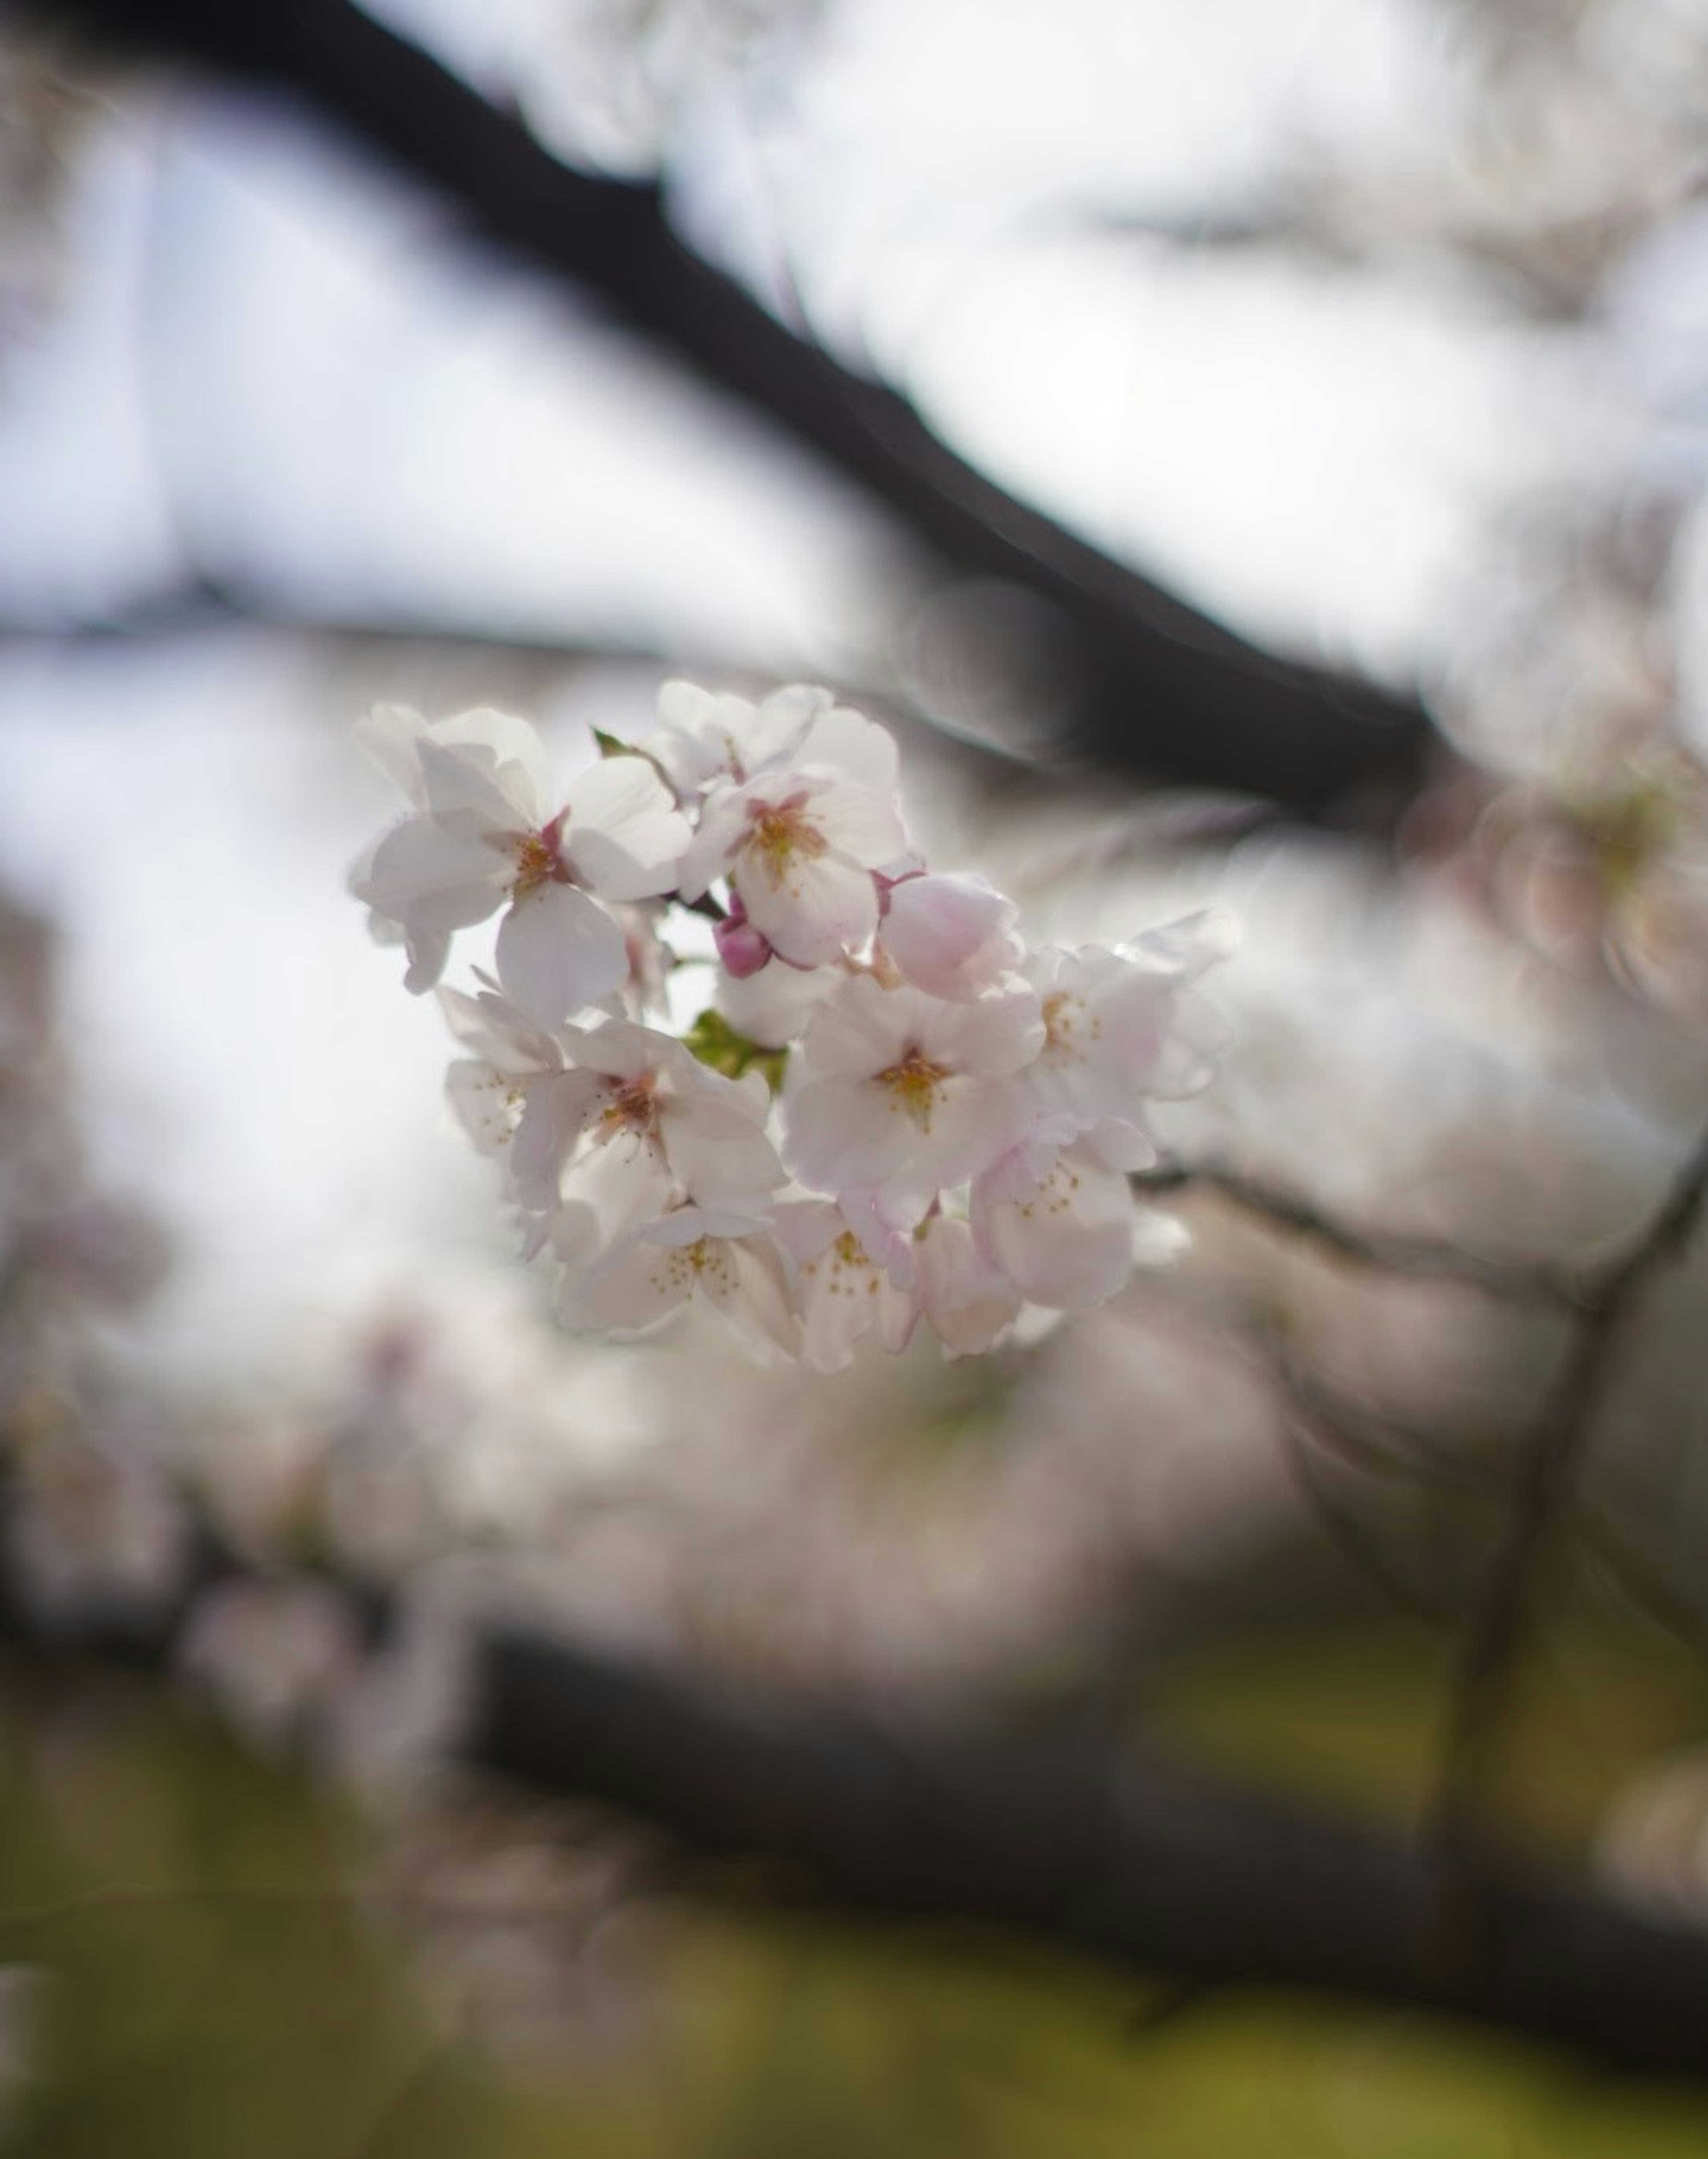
742	948
951	936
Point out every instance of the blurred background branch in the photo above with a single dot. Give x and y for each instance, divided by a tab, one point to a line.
1150	685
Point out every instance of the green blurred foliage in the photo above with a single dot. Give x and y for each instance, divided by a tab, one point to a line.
215	1991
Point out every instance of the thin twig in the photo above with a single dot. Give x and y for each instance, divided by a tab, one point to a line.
1426	1258
1540	1493
1344	1534
1398	1455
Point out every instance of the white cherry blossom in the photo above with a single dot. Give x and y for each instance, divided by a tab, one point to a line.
1111	1036
637	1122
897	1094
728	1262
489	1091
492	827
841	1292
961	1119
711	738
1057	1224
799	848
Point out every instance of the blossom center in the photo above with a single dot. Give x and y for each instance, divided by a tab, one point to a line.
914	1082
704	1263
1062	1012
538	859
778	832
633	1106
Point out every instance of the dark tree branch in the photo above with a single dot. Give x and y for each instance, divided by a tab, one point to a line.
1382	1252
1159	688
1055	1835
1541	1499
1086	1846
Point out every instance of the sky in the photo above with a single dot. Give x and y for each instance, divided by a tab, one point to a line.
272	364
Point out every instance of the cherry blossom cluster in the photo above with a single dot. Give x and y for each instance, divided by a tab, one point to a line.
887	1112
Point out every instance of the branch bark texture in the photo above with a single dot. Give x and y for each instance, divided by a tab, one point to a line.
1152	685
1089	1847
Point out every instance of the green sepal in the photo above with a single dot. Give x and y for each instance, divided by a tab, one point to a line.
716	1044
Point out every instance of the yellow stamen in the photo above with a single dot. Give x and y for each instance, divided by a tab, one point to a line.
914	1082
536	863
780	832
633	1104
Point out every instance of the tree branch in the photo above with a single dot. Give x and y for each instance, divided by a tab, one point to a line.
1546	1466
1426	1258
1152	684
1083	1846
1056	1835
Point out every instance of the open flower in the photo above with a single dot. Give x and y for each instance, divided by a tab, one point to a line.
961	1119
726	1261
489	1091
491	830
798	849
1057	1224
842	1292
709	738
1111	1031
896	1094
632	1123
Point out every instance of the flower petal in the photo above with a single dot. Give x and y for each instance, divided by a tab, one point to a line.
625	837
558	952
817	910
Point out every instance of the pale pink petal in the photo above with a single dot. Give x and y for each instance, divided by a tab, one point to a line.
1068	1243
851	746
556	1110
860	1027
773	1006
428	951
723	823
965	1298
484	1103
815	911
953	936
973	1122
994	1034
496	1032
858	821
418	862
630	1290
620	1048
845	1134
465	783
625	836
687	1225
623	1180
390	735
804	1228
558	952
1115	1144
718	1163
758	1310
517	758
